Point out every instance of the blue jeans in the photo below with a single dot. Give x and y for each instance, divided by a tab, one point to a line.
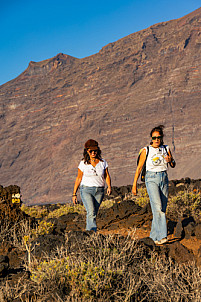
157	188
91	198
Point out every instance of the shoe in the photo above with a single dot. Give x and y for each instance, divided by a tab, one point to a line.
162	241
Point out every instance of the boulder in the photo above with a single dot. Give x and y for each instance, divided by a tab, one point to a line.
47	245
4	265
197	231
179	230
180	253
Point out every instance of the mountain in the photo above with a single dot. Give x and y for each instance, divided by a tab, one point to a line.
115	97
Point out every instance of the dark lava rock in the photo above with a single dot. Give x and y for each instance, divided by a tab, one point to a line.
179	230
148	242
47	244
11	214
4	264
199	256
145	209
189	230
171	225
180	253
137	220
189	227
118	192
198	231
120	210
65	222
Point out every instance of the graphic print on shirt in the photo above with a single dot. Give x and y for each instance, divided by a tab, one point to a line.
158	157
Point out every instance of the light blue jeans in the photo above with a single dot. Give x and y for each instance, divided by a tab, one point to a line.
91	198
157	188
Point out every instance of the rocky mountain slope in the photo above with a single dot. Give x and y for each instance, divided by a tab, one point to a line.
115	96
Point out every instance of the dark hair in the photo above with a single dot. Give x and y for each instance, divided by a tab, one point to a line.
160	130
87	157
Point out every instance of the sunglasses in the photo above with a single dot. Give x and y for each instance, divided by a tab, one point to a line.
156	137
95	151
94	171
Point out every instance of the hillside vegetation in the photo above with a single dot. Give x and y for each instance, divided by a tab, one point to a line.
74	265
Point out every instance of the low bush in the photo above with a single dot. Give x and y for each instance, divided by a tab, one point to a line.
110	268
186	203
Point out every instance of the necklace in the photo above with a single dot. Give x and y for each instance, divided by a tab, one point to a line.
93	160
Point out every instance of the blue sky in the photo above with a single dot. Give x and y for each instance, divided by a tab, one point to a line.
35	30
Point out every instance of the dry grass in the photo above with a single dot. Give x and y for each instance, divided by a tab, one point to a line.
111	268
42	212
101	268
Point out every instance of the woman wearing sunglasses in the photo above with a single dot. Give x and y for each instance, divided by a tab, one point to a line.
157	157
92	174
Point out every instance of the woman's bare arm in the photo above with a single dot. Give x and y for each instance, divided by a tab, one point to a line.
76	186
169	159
108	181
138	171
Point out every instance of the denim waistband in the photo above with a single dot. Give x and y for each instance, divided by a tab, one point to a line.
160	172
83	186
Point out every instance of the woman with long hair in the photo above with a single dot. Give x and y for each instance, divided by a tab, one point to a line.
157	157
92	174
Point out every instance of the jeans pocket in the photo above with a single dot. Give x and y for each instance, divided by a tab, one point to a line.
149	175
100	189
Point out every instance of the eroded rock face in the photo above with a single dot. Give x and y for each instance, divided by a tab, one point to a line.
115	96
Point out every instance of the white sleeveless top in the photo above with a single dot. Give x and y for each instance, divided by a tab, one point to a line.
93	176
156	159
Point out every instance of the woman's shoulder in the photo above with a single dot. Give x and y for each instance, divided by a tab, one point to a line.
104	162
166	147
145	149
82	164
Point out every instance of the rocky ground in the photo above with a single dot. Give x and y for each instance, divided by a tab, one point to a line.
123	217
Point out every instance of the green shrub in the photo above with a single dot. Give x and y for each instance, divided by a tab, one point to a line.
66	209
185	203
34	211
109	268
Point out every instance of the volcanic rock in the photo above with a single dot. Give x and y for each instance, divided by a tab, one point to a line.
179	230
180	253
198	231
4	264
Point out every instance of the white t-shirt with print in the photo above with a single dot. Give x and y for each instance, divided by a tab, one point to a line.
156	159
93	176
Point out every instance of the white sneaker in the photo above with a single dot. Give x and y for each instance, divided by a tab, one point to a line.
162	241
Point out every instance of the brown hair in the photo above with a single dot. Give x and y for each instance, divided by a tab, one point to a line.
160	130
87	157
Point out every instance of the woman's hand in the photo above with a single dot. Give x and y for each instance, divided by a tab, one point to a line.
134	190
74	199
108	181
108	190
76	186
168	158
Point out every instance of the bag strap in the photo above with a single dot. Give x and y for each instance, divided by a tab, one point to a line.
147	153
173	159
165	149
